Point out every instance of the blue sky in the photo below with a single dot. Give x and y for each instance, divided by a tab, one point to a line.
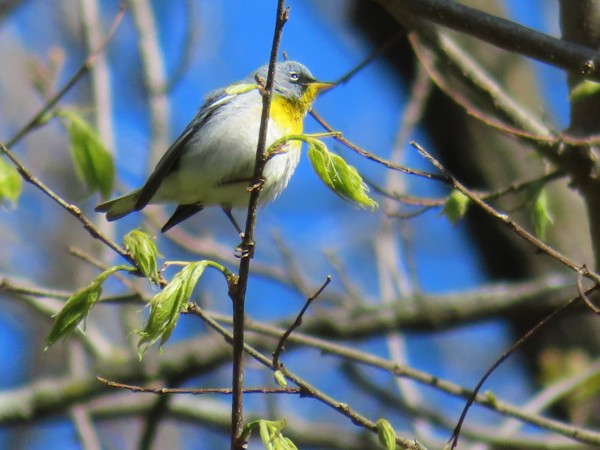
235	38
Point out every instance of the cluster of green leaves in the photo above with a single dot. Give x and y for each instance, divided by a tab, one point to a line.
165	307
273	439
145	253
270	434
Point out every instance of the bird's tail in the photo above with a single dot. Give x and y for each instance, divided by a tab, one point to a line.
120	206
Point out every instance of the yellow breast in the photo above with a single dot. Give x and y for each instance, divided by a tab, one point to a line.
288	114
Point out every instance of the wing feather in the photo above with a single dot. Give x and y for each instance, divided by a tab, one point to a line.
170	159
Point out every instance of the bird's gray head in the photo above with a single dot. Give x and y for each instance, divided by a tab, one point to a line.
292	79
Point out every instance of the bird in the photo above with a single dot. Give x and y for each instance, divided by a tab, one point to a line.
212	161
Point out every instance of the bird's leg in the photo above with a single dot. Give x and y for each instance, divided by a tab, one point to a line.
227	211
239	251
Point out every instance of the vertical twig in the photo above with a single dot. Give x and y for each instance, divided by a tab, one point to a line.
296	323
238	290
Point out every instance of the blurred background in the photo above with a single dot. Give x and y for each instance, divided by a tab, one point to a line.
143	90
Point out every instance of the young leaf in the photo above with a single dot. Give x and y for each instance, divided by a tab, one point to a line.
11	182
249	428
386	434
78	306
340	177
456	206
144	251
166	306
93	162
270	434
280	378
75	310
540	214
585	89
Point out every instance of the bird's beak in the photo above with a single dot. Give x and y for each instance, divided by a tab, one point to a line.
320	86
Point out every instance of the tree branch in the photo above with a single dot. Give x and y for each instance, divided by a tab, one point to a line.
500	32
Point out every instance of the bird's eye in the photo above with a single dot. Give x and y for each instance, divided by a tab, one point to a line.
294	76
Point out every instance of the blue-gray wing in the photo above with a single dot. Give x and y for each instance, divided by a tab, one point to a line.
171	158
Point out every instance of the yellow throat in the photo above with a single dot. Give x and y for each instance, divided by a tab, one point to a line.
289	113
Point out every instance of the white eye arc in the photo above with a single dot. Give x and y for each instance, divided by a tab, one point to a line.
294	76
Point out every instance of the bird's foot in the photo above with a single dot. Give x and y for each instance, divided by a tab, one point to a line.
244	250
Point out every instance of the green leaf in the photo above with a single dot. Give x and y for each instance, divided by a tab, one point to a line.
585	89
340	177
456	206
540	214
166	306
386	434
280	378
11	182
249	428
270	434
92	161
77	306
144	252
75	310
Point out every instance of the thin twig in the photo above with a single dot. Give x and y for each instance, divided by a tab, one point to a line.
69	207
238	290
201	391
371	156
297	323
582	293
499	361
503	218
370	58
471	72
307	389
488	401
39	118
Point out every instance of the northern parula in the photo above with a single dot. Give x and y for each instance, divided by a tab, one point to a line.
212	161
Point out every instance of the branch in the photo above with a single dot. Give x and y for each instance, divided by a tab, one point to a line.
307	389
39	118
506	220
296	323
238	291
217	418
487	400
69	207
502	33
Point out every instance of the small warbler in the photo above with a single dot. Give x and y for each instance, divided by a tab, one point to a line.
212	162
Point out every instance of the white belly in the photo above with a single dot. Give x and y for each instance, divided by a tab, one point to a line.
218	163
